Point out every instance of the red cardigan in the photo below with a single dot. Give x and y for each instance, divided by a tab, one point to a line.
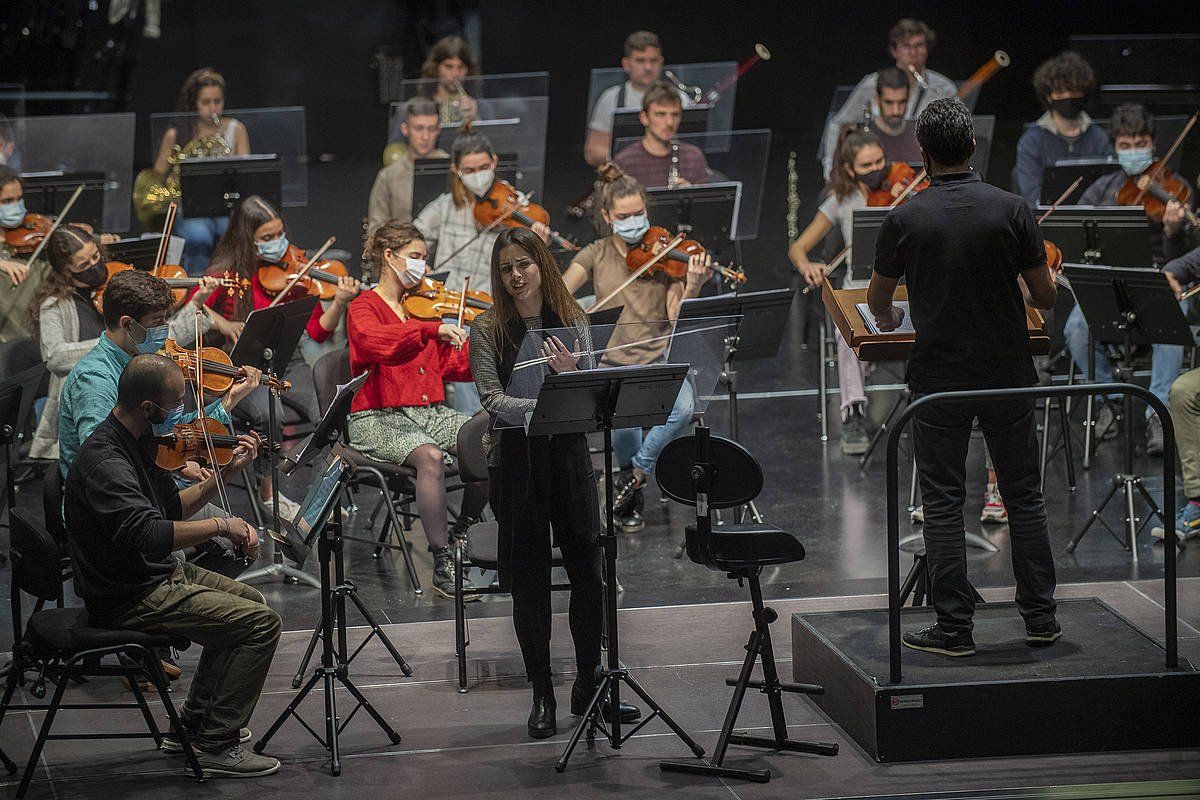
225	305
407	361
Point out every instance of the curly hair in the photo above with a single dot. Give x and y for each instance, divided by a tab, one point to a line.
64	243
946	132
391	235
134	293
1066	72
1130	119
200	79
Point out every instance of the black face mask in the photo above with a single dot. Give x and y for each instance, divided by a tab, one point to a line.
874	178
1068	107
93	276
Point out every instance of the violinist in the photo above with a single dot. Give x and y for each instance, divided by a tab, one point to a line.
125	518
398	416
136	310
205	133
450	61
860	168
909	43
658	158
391	194
1132	132
1065	130
257	237
16	287
651	304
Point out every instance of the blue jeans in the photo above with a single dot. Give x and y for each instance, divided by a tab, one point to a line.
200	236
630	448
1165	364
466	398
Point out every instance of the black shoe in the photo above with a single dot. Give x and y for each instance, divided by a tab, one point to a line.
542	717
443	575
458	531
581	695
627	496
935	640
631	522
1044	634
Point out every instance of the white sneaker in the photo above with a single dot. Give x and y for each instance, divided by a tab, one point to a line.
288	508
993	506
917	515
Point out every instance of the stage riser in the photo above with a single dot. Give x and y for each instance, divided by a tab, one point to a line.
997	718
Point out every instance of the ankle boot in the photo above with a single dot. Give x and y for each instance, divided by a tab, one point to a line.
542	717
581	694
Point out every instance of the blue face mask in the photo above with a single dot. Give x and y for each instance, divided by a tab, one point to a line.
1135	161
12	214
174	417
273	250
631	229
154	338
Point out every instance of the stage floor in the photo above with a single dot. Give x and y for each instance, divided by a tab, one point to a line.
474	744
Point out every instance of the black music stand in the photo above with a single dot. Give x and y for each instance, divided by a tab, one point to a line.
48	192
1100	234
140	253
314	522
17	394
1128	307
711	208
430	177
211	187
763	319
1058	177
601	400
267	342
627	122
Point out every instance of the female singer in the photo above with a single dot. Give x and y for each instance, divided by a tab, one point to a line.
398	415
202	97
256	237
463	246
449	61
531	476
859	168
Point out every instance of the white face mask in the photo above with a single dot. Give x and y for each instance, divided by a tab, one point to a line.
479	182
413	272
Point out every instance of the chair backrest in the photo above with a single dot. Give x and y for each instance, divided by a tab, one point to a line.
17	355
36	558
330	370
52	503
472	459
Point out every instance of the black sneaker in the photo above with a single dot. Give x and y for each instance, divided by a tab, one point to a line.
443	576
1044	634
627	495
631	522
935	640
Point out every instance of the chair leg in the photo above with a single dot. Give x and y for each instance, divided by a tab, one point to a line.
396	525
140	698
43	732
159	679
460	621
9	766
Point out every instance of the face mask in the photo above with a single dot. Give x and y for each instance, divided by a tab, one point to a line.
93	276
413	272
1135	161
631	229
173	417
874	178
479	182
273	250
153	339
1068	107
12	214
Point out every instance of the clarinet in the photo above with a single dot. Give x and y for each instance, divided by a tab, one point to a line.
673	171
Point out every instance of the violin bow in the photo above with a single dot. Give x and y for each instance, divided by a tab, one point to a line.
462	304
62	215
1061	199
303	271
198	391
533	362
639	272
503	216
1162	164
168	223
840	257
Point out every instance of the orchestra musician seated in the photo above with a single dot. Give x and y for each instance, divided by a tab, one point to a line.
909	43
16	288
1132	133
125	517
885	117
658	158
1065	131
643	64
450	60
1184	399
392	193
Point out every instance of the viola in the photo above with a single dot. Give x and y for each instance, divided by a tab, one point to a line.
189	441
899	176
675	262
321	280
506	206
1154	189
219	372
25	238
432	300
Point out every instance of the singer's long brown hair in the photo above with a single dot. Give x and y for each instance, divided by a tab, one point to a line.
555	294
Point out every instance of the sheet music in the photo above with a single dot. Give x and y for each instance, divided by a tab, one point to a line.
905	327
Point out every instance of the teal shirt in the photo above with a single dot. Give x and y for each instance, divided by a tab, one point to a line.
89	394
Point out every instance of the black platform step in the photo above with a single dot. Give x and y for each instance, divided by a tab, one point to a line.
1102	686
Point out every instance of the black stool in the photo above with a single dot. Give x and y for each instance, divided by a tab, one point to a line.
710	472
60	644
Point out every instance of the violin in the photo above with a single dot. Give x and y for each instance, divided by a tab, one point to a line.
675	262
432	300
505	205
189	441
1154	189
25	238
177	279
321	280
899	176
219	372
